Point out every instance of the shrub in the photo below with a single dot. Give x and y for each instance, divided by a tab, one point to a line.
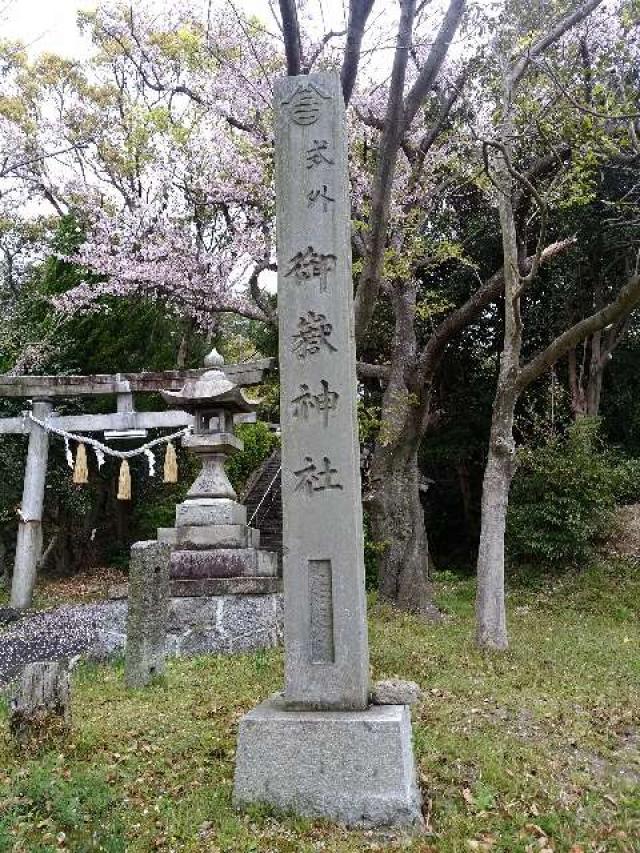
259	442
562	497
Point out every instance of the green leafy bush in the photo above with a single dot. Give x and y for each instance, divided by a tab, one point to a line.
259	442
626	481
563	495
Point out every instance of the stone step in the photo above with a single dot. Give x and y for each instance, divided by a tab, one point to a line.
168	535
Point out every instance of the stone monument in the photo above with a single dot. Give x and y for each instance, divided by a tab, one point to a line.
225	591
320	749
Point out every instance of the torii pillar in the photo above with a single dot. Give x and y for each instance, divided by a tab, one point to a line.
29	543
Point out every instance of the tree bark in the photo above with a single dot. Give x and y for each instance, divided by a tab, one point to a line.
291	35
397	516
397	520
464	481
491	620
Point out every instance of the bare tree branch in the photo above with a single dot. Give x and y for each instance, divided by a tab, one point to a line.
326	38
373	371
291	34
8	167
542	167
490	291
369	281
581	107
359	11
554	34
432	66
542	207
257	295
624	304
447	105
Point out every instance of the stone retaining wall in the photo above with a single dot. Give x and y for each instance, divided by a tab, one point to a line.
218	624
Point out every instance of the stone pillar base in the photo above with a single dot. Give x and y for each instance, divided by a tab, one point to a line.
355	767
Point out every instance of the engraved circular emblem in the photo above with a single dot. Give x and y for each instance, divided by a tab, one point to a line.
305	107
305	104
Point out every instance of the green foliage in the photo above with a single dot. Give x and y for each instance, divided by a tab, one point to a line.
77	804
563	495
155	501
372	551
626	481
259	442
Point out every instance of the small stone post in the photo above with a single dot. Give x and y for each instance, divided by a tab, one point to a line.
29	544
147	614
41	702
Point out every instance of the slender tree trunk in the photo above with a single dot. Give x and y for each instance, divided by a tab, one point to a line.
491	626
491	620
586	385
464	481
594	392
596	374
576	390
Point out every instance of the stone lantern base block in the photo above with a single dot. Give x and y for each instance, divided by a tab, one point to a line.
224	563
213	511
355	767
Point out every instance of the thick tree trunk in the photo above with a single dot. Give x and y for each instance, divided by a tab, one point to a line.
396	509
398	528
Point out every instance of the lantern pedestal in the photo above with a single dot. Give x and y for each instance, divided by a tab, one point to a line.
217	566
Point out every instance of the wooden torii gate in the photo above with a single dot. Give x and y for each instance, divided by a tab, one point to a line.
43	391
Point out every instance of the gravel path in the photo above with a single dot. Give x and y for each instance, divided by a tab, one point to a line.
61	632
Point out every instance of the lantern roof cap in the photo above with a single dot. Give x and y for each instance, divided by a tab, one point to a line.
213	388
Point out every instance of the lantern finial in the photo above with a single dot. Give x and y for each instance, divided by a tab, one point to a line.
214	359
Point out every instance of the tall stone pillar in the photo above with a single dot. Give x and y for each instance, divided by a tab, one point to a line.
320	749
327	663
29	543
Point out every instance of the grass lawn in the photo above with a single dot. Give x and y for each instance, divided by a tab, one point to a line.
537	749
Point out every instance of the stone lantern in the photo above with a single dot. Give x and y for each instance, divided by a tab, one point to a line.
214	550
213	399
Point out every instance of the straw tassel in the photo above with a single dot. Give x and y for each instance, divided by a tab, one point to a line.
170	464
81	469
124	482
